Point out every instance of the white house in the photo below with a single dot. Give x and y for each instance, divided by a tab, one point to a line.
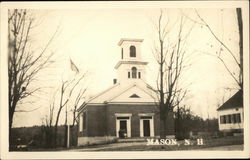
231	113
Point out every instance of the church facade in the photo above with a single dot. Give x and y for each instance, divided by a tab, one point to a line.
125	110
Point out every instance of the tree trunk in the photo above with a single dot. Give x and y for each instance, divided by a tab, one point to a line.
11	115
240	25
162	107
162	122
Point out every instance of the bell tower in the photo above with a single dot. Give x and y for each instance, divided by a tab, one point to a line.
131	67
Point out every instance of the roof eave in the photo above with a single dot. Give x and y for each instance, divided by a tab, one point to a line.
129	39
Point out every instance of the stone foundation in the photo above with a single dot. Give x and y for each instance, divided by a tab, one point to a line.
83	141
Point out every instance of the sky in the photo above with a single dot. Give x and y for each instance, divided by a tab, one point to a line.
90	36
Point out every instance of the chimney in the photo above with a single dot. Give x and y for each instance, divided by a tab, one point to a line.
114	81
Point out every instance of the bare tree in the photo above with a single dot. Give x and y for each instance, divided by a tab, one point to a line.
47	128
24	63
66	90
77	101
237	57
170	56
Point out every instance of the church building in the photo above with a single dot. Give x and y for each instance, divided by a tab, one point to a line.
128	109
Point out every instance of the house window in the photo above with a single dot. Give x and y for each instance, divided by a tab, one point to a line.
128	74
222	120
139	75
122	53
230	118
134	72
233	116
238	119
132	51
84	120
225	119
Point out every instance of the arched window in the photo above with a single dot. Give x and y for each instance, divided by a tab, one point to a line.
132	51
134	72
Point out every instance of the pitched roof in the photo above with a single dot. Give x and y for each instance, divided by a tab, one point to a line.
236	101
129	39
122	94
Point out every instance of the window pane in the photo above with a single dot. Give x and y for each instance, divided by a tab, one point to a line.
234	118
84	120
134	72
229	118
132	51
122	53
225	119
238	118
221	120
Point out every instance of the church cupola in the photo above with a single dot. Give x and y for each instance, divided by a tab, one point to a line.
130	48
130	68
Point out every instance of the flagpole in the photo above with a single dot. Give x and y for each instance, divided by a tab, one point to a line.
68	127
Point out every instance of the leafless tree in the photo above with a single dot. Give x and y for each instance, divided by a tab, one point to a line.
24	63
47	127
77	102
237	57
66	90
170	56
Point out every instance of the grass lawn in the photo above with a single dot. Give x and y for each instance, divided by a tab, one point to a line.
141	146
224	141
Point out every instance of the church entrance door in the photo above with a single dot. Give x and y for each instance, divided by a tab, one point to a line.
146	125
123	125
146	128
123	129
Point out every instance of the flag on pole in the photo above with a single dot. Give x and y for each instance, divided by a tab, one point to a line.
73	66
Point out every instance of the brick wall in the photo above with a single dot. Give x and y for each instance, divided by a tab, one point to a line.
101	120
96	121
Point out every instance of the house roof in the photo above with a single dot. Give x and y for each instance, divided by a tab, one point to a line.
129	39
124	94
236	101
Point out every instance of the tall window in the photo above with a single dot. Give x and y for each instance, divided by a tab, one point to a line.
139	75
122	53
84	121
128	74
132	51
238	119
223	119
134	72
229	118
